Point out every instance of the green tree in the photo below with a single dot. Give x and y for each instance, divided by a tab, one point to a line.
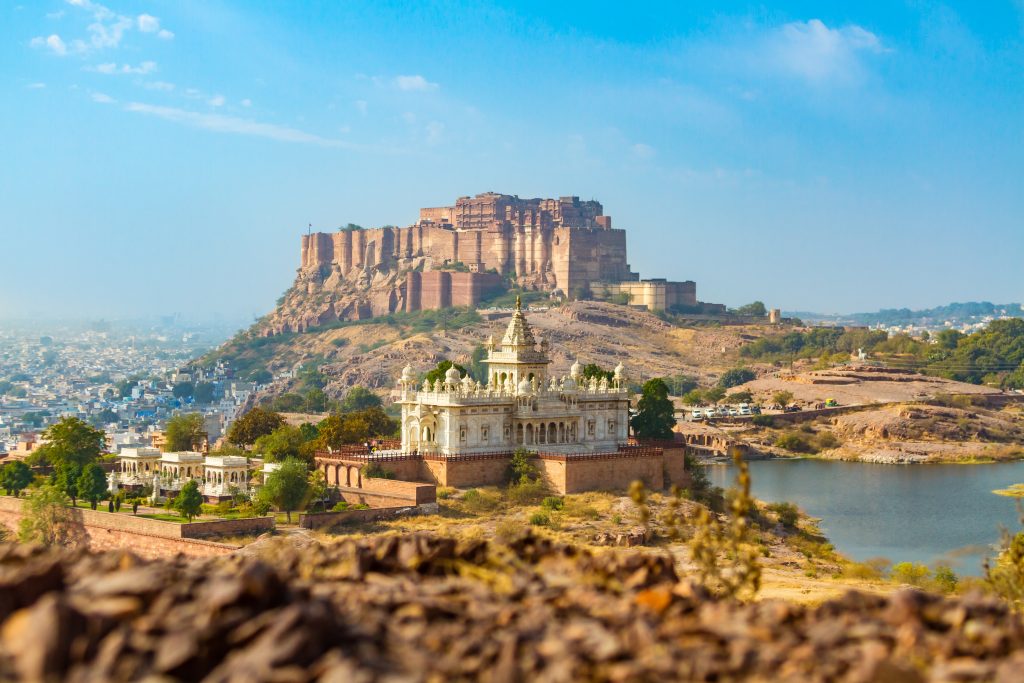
315	401
655	417
318	488
522	468
284	442
438	372
783	398
361	398
65	478
92	484
714	394
203	393
256	423
70	441
184	433
15	477
351	428
46	518
736	377
261	376
183	390
754	308
477	366
595	370
105	416
287	487
189	501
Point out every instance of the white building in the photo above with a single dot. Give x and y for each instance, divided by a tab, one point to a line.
224	475
519	406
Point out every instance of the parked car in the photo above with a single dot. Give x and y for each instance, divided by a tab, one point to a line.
755	410
744	410
696	414
710	412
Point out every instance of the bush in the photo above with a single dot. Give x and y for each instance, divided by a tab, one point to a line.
827	440
340	507
944	579
794	443
521	466
736	377
552	503
526	492
508	530
445	492
481	501
374	470
911	573
540	519
788	514
763	421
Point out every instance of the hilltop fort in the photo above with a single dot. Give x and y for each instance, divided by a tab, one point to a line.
461	255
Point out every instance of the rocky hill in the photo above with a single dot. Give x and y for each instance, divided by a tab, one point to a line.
372	352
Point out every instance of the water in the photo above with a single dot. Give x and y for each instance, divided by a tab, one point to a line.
914	513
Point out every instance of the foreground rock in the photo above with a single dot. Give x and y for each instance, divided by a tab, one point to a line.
418	608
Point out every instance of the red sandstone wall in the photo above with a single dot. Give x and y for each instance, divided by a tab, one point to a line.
147	538
600	473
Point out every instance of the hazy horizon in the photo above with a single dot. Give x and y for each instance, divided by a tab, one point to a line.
166	157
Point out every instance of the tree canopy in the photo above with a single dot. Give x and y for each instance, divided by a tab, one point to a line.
15	477
438	372
285	442
736	377
655	417
184	433
91	484
46	518
360	398
256	423
70	441
189	501
287	487
356	427
754	308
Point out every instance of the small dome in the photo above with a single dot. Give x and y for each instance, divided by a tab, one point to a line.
525	387
407	373
620	372
568	384
576	370
452	375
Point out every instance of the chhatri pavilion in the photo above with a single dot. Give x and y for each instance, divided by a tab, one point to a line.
521	405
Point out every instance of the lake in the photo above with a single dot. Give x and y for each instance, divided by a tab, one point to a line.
916	513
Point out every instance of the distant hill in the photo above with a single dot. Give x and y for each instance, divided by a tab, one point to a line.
956	313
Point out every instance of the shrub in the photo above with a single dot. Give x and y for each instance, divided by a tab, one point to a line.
540	519
763	421
521	466
481	501
552	503
508	530
445	492
827	440
341	506
788	514
793	442
375	470
944	579
526	492
911	573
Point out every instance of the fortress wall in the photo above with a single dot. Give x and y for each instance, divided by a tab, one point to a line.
436	290
593	255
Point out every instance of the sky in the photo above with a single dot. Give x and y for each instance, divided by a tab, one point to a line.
165	157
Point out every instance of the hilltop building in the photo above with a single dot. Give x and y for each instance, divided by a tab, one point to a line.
461	255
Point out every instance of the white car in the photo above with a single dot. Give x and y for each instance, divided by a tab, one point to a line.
710	412
744	410
696	414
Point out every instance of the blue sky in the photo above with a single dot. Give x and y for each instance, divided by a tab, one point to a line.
165	156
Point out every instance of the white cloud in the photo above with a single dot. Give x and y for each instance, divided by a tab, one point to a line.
159	85
52	42
818	54
413	83
642	151
192	93
164	34
35	86
148	23
112	68
435	132
216	101
230	124
361	106
102	99
246	102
